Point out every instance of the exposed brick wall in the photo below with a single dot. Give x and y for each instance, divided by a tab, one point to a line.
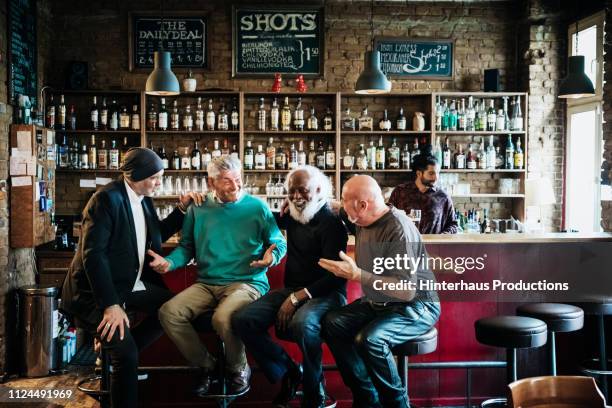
606	206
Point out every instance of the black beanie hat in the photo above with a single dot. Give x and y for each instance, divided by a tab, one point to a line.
140	163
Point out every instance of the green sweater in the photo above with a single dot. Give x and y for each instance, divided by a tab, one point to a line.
224	238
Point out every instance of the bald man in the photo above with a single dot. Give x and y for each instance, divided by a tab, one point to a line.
362	334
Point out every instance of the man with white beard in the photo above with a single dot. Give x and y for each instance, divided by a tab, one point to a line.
313	232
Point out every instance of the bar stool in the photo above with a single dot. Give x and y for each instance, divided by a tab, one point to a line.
101	394
424	344
330	402
558	318
511	333
600	307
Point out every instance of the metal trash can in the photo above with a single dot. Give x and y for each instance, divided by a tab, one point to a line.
38	329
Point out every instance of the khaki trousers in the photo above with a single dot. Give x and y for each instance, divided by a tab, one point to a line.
177	314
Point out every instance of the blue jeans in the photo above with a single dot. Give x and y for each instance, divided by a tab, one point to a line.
252	322
361	336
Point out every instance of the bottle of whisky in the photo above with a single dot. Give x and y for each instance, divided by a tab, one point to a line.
406	157
400	123
260	158
113	156
293	158
274	115
164	158
301	154
481	156
103	115
162	116
196	157
103	156
188	119
509	153
199	115
313	122
61	119
312	154
470	115
261	116
93	153
286	116
385	123
124	118
415	149
460	158
446	156
216	149
328	120
113	120
366	122
152	118
51	114
320	158
249	156
519	157
74	155
471	159
94	115
84	159
491	154
210	116
72	118
298	116
372	155
206	158
234	153
330	157
135	125
394	155
175	117
491	117
235	116
223	123
270	155
348	121
186	160
380	155
348	161
361	159
175	161
225	151
280	159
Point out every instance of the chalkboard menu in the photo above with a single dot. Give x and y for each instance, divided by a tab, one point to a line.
22	50
183	34
287	40
415	58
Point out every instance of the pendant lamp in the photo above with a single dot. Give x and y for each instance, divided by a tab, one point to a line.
372	80
576	84
162	80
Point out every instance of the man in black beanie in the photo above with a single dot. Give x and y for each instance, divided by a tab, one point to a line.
109	273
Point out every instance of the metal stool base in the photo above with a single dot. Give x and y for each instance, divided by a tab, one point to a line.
494	403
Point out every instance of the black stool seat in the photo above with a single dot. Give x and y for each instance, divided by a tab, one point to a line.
596	305
557	316
511	331
424	344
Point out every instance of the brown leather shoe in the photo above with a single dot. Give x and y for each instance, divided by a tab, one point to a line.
205	381
239	381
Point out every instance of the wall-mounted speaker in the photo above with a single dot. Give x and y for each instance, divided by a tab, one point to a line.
491	80
76	75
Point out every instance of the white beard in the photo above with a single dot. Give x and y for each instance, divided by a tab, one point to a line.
307	214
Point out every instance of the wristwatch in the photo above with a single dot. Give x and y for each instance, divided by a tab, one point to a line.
294	300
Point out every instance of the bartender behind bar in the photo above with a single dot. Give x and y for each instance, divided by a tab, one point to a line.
437	211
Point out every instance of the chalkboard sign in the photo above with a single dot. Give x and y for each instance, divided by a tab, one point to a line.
22	50
416	58
287	40
183	34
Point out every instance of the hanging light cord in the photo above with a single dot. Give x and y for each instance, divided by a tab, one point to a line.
372	24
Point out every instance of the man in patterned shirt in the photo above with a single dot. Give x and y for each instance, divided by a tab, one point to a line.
437	211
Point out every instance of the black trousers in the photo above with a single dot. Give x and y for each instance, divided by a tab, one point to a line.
124	353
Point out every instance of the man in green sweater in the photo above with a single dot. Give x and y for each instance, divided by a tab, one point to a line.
234	239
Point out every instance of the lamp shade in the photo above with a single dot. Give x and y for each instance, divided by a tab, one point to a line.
539	192
577	84
162	80
372	80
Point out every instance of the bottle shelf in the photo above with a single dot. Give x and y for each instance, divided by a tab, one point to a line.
101	132
172	171
88	171
192	132
480	132
290	132
482	171
487	195
386	132
376	171
279	171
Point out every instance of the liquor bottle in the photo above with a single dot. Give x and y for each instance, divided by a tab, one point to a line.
499	158
211	118
371	152
113	156
249	157
93	153
186	160
135	125
234	116
61	119
446	156
485	228
188	119
260	158
72	118
366	123
285	122
471	159
491	117
348	160
385	123
113	116
162	116
225	151
348	121
320	162
477	117
104	115
452	121
298	116
164	158
470	115
446	116
437	151
461	117
491	154
94	115
280	159
483	116
152	118
330	157
460	158
103	156
199	115
216	150
394	155
124	118
124	149
206	158
261	116
84	159
400	123
509	162
519	157
301	154
517	115
274	114
51	114
415	149
481	156
380	155
439	114
74	155
505	114
313	122
270	155
406	157
196	157
293	157
500	122
175	161
361	161
222	122
175	117
328	120
312	154
234	153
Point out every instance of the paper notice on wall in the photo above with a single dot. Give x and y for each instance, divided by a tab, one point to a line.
24	141
50	137
102	181
37	192
18	153
87	183
31	166
21	181
18	166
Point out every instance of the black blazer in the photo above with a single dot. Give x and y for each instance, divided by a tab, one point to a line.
105	266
